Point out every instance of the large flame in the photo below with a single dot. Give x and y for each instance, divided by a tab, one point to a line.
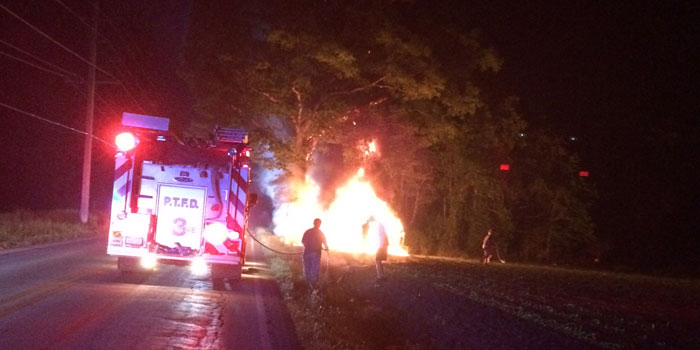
342	222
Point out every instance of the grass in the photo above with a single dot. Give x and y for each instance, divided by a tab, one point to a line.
605	309
319	321
23	228
610	310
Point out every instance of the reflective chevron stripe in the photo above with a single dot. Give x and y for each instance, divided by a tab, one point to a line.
240	178
122	167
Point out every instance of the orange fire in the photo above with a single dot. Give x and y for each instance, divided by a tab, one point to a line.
371	148
355	203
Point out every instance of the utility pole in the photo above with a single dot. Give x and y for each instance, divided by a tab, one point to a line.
87	158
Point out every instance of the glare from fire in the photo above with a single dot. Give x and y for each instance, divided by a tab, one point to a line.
371	148
342	222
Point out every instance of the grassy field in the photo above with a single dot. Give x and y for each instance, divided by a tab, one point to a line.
595	309
609	310
24	228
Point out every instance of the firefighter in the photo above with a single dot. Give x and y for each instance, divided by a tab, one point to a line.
314	241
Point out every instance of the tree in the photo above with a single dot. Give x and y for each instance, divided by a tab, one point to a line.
313	68
551	203
312	78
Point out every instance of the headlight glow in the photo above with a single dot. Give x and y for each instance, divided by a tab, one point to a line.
199	266
149	262
215	233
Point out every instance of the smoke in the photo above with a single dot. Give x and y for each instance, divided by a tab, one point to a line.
329	172
262	215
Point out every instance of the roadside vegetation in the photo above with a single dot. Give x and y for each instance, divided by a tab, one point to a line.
319	322
22	228
452	302
322	89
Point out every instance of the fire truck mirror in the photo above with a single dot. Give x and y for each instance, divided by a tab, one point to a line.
253	200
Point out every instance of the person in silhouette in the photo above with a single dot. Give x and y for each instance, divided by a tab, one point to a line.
314	241
489	247
379	233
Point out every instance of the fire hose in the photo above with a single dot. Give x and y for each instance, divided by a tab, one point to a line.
328	254
498	254
272	249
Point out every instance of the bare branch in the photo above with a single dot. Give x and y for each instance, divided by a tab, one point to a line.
300	105
373	84
255	123
378	101
268	96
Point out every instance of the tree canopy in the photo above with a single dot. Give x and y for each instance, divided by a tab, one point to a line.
304	76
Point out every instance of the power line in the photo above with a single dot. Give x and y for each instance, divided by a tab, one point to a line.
33	65
76	15
125	40
41	60
56	42
70	51
53	122
81	19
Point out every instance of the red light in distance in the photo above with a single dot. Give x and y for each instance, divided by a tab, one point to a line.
505	167
583	173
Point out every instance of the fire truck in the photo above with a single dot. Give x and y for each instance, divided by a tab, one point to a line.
179	203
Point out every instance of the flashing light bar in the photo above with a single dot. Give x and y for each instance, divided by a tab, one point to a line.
230	135
145	121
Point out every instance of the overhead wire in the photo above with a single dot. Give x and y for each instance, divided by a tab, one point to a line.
57	42
75	14
65	71
33	65
133	56
123	67
68	75
53	122
18	17
145	96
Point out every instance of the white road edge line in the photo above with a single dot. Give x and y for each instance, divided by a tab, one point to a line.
262	325
46	245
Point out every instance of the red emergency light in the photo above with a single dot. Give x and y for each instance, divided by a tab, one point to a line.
505	167
583	173
125	141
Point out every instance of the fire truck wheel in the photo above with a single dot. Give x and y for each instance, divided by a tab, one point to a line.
221	271
126	264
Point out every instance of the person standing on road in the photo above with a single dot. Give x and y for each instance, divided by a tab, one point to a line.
382	247
314	241
489	247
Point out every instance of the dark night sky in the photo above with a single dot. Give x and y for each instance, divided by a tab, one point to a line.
139	43
621	77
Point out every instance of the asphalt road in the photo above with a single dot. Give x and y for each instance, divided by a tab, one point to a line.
71	296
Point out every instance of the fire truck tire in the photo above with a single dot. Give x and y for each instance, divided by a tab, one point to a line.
221	271
126	264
